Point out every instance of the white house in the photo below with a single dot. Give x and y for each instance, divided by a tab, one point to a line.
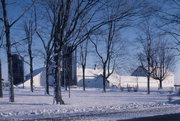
117	80
39	78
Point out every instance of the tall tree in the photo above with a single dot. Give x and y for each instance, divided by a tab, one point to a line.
170	21
107	56
66	17
29	32
145	57
8	47
164	61
8	26
83	59
108	34
48	47
45	32
70	19
170	24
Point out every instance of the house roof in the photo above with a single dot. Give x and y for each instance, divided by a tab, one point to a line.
35	72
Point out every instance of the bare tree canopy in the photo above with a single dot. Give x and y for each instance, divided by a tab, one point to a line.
164	61
69	20
107	41
170	21
145	57
156	55
8	25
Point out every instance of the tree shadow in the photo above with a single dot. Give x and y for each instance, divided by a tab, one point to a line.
16	103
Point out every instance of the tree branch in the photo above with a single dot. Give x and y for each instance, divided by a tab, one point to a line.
22	14
1	19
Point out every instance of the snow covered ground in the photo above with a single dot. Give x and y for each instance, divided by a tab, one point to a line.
92	102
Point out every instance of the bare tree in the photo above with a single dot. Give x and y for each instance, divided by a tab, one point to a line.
45	32
109	33
145	57
170	21
66	18
8	26
8	45
106	57
48	47
70	19
83	59
164	60
29	32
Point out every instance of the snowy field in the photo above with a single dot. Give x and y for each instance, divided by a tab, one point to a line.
92	102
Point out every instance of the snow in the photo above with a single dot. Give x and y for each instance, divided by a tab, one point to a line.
92	102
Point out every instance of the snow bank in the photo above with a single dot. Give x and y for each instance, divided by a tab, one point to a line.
92	102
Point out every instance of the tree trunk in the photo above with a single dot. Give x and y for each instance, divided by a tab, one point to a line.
148	73
47	75
84	85
148	84
104	78
10	74
65	70
160	84
69	91
148	79
31	69
65	80
58	96
1	92
8	50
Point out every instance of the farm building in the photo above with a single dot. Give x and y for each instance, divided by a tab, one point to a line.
94	79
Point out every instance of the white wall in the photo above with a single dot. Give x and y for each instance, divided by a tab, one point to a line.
116	79
94	81
39	80
142	81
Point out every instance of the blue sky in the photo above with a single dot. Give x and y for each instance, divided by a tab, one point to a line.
17	34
